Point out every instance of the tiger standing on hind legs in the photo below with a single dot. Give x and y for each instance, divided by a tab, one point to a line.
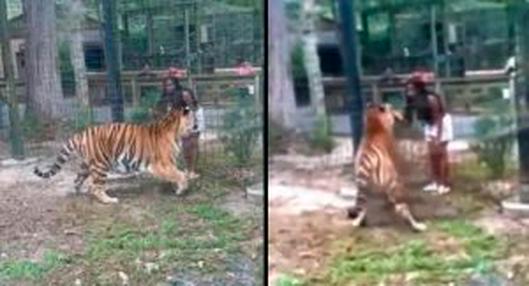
126	147
375	166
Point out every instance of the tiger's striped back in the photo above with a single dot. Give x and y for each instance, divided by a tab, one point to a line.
374	168
123	147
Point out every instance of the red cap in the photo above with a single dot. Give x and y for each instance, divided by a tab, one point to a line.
173	72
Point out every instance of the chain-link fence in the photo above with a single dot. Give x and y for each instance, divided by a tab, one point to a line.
210	41
469	46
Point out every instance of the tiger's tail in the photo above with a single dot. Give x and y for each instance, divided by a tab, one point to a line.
62	157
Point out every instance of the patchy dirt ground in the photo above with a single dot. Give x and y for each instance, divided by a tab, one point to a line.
51	236
468	241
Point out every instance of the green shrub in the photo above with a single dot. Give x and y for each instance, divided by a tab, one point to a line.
298	62
142	113
321	138
241	127
495	141
83	119
32	128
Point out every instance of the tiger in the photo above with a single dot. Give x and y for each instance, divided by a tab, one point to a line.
126	147
375	165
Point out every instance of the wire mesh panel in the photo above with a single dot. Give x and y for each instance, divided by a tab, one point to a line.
205	39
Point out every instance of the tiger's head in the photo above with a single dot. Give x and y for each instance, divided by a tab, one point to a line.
381	118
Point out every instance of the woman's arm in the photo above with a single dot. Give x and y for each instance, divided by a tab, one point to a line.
409	110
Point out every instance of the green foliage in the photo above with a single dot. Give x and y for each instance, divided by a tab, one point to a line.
298	61
287	280
32	127
66	67
321	138
241	127
495	141
469	250
83	119
25	269
125	242
142	113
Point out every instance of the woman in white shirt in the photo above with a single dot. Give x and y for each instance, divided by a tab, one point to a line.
190	143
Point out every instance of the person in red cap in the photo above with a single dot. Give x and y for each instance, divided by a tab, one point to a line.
437	124
171	90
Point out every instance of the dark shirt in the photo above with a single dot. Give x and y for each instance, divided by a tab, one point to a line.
167	100
420	105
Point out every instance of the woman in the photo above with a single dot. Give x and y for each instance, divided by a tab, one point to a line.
171	95
190	143
438	131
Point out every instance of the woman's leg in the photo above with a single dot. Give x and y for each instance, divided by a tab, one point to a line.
187	150
444	164
193	156
434	162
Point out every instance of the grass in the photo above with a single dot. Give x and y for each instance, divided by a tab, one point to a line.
287	280
191	234
30	270
449	252
196	237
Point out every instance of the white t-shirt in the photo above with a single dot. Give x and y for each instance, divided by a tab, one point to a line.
200	121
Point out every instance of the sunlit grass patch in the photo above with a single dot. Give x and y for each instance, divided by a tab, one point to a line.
287	280
449	252
30	270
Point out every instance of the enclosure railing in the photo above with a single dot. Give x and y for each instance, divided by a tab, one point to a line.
454	89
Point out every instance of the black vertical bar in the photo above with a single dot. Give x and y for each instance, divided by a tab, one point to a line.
349	45
111	60
523	96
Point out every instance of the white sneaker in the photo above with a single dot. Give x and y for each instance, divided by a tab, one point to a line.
432	187
443	190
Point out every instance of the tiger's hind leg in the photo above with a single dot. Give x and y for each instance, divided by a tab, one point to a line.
97	185
170	173
81	177
403	210
358	212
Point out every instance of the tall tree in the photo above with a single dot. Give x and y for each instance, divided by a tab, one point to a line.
76	15
17	146
45	98
311	57
281	99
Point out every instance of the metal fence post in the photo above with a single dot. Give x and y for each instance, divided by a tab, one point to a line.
349	46
111	59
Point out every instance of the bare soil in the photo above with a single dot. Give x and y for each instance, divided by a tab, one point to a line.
38	215
307	217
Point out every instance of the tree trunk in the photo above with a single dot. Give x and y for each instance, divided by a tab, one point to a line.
77	54
281	100
311	58
45	99
15	133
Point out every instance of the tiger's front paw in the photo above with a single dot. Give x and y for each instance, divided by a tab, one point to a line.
180	188
191	175
419	227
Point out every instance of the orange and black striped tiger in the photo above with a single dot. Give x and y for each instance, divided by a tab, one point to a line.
375	165
127	148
